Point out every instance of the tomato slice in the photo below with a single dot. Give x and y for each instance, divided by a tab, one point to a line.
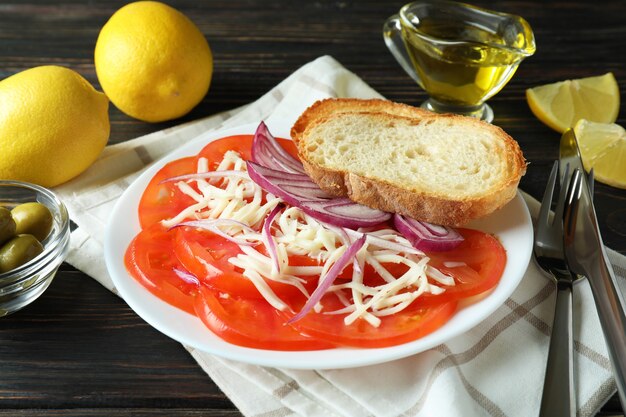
206	256
242	144
230	305
251	323
407	325
149	260
484	260
215	150
163	200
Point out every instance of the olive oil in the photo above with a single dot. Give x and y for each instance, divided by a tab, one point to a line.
460	54
458	63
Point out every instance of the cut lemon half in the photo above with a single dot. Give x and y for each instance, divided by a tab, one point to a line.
603	148
561	105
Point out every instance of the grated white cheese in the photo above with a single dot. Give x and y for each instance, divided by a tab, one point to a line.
235	196
451	264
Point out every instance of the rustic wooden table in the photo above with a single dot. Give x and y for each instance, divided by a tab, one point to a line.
81	351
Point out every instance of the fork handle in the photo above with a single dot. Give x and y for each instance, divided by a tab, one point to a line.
558	398
610	306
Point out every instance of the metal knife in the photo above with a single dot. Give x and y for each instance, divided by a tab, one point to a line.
586	255
569	159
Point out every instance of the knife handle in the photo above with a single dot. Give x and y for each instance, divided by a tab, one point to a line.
610	306
558	398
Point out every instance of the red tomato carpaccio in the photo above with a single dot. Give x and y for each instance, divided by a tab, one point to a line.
230	305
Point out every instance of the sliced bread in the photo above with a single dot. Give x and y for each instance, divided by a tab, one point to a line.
324	108
443	169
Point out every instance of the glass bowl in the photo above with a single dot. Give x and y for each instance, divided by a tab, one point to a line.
22	285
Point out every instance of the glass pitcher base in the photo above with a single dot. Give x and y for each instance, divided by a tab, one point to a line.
483	112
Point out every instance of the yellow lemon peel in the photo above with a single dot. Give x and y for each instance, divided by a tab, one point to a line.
153	62
560	105
603	148
53	125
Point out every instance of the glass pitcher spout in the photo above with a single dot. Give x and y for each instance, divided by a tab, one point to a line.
502	31
452	22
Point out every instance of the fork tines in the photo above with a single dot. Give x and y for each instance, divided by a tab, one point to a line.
546	202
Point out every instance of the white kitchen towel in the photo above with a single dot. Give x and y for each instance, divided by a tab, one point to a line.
495	369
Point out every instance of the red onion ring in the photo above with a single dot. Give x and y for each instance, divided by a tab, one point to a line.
186	276
298	190
426	236
330	277
266	151
344	212
271	244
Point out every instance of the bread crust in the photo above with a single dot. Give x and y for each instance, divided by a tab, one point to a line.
322	109
380	194
388	197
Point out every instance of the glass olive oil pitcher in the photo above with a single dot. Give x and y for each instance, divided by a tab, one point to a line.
461	55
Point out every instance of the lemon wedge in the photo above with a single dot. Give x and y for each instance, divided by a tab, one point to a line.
560	105
603	148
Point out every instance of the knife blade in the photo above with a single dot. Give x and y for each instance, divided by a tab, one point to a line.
569	159
585	255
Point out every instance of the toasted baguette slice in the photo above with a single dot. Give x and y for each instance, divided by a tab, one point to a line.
324	108
443	169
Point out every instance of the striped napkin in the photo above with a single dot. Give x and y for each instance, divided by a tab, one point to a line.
495	369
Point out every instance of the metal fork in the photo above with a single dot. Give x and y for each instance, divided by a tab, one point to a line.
558	398
586	254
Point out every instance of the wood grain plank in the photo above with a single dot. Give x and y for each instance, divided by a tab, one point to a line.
81	351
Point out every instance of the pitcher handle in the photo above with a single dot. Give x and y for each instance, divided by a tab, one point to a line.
392	33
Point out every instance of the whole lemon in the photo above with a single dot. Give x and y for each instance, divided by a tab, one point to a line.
53	125
153	63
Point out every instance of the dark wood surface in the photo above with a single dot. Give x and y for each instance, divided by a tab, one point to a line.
81	351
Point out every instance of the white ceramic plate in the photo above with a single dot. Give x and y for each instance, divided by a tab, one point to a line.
511	224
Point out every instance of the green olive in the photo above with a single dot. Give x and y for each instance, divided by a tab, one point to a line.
7	225
33	219
18	251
